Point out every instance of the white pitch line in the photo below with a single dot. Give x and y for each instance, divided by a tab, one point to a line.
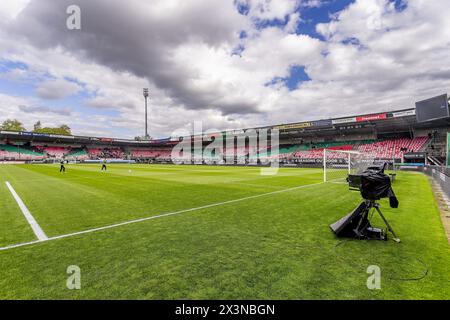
157	216
40	234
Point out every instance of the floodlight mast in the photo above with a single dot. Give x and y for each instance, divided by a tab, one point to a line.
146	113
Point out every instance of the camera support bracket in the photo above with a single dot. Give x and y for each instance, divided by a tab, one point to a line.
376	205
361	228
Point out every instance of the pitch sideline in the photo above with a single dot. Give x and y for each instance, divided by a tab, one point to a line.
40	234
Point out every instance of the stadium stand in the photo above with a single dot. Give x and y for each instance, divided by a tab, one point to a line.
14	152
382	149
392	136
56	152
150	153
107	153
94	153
393	148
78	154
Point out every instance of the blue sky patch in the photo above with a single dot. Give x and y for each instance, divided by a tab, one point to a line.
400	5
297	75
6	65
238	50
243	8
262	24
310	17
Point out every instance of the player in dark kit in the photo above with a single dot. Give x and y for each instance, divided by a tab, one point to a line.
104	165
63	168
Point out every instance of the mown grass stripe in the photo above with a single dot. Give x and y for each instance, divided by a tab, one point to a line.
157	217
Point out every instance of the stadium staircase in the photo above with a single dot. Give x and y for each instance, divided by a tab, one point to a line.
436	148
434	161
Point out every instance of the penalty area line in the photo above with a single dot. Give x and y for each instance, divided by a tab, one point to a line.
157	216
40	234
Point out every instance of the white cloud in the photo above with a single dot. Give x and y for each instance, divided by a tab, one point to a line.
28	111
9	9
42	109
293	21
313	3
272	9
57	89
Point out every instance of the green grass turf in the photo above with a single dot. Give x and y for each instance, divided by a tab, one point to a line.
13	227
277	246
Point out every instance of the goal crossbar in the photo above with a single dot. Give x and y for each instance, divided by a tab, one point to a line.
338	164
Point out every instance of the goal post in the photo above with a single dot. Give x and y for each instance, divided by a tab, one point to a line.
338	164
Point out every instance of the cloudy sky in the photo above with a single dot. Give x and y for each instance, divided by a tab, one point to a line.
228	63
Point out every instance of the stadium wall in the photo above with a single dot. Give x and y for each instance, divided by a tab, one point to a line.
441	175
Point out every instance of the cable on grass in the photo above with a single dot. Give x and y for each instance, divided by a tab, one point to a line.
425	272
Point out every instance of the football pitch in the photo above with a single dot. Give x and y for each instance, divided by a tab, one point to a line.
210	232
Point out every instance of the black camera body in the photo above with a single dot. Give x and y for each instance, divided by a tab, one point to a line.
373	184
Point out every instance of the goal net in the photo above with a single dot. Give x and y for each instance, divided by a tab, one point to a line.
338	164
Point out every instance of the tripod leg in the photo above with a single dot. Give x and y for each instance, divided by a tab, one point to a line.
363	218
387	224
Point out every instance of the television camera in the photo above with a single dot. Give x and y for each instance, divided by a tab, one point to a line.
373	184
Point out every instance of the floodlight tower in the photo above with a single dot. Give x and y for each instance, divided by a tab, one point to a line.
146	119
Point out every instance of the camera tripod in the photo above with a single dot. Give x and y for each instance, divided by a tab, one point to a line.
364	229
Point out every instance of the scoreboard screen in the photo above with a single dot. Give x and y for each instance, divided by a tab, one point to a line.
432	109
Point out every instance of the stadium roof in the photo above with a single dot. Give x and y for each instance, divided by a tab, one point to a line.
392	121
